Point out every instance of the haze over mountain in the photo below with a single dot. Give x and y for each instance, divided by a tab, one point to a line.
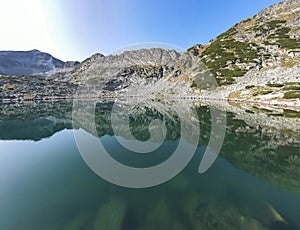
33	63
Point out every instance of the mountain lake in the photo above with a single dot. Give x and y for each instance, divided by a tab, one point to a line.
47	183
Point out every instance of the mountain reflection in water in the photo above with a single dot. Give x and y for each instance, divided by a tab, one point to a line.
45	184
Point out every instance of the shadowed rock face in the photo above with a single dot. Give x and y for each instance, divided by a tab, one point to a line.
33	62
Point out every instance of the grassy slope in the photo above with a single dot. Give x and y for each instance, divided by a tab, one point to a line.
264	37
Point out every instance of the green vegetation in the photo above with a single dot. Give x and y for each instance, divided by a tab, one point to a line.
224	54
292	95
284	40
271	25
249	86
249	111
275	23
289	43
268	43
226	81
247	20
229	33
194	84
292	83
236	72
262	92
291	113
279	34
277	85
292	87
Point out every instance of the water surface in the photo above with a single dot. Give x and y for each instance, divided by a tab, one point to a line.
45	183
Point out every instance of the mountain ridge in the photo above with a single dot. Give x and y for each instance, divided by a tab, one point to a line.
256	60
254	56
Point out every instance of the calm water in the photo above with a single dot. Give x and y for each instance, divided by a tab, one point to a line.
45	183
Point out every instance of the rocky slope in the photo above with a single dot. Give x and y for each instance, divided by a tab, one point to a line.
33	63
257	60
28	88
256	55
142	72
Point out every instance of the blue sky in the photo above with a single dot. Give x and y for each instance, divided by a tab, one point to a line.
75	29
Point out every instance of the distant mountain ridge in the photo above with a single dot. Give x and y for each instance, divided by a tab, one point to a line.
32	63
257	60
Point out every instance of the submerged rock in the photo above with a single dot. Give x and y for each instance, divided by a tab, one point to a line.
248	223
204	215
160	217
179	184
80	222
270	217
111	214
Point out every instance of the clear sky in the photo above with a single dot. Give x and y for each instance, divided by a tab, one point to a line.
76	29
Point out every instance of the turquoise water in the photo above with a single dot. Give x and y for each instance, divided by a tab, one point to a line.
45	183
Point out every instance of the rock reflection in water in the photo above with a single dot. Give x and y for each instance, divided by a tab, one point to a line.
253	184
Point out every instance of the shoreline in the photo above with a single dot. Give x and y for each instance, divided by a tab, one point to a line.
200	98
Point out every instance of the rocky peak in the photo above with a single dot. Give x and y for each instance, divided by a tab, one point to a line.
137	72
134	59
94	57
280	7
195	49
